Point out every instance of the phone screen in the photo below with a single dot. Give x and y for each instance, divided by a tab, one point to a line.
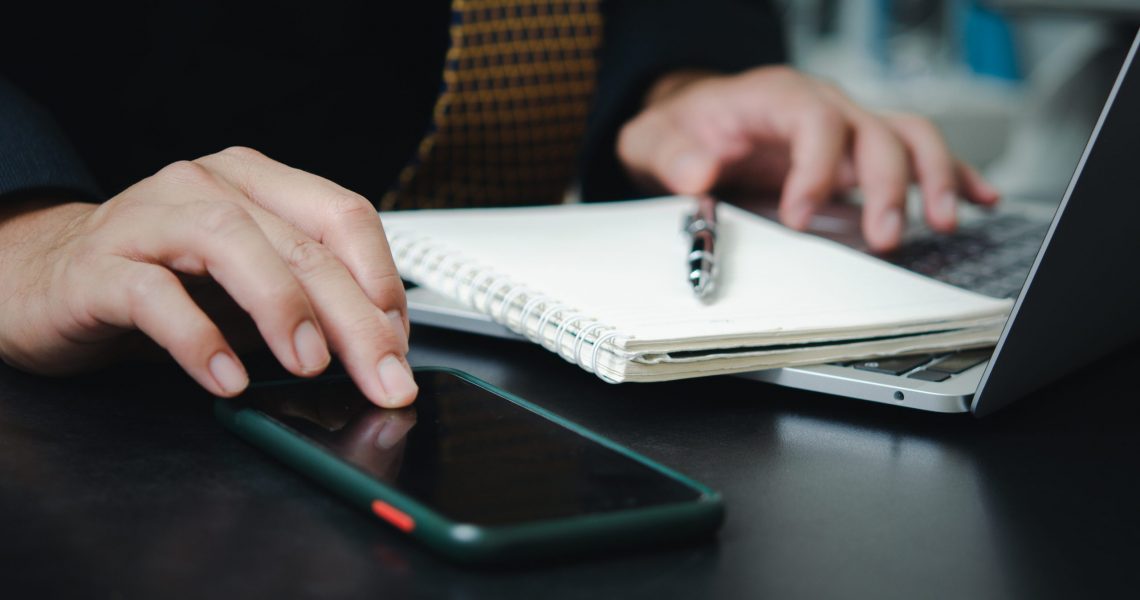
469	454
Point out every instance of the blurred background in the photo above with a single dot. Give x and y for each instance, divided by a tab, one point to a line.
1015	85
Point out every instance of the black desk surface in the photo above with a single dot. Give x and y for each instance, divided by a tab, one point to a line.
122	485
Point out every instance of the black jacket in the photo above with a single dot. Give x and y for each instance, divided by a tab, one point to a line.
101	96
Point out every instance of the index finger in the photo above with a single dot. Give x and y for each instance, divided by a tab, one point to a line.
345	222
817	143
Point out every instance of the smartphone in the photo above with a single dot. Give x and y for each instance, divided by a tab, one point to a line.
472	471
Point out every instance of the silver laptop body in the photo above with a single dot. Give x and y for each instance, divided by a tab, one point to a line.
1080	298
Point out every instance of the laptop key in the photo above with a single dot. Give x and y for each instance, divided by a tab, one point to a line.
956	363
928	375
893	365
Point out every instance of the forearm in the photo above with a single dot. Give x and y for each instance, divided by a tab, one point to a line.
30	233
25	219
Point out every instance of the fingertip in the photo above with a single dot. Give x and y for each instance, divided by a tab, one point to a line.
983	193
796	214
885	232
976	188
691	173
990	196
230	378
804	192
398	387
942	210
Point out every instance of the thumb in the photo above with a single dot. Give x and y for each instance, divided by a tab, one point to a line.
689	170
665	156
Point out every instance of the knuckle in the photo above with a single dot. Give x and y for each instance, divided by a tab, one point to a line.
373	331
880	134
185	172
699	98
145	284
826	114
388	291
830	89
819	114
241	153
308	257
193	337
220	218
918	124
877	135
348	207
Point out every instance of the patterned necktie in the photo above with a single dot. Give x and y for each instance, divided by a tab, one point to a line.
517	84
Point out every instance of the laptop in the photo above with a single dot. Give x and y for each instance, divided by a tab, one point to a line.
1071	271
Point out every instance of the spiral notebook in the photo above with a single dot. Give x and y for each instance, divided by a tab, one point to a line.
604	285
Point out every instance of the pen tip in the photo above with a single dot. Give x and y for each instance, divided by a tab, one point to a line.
702	284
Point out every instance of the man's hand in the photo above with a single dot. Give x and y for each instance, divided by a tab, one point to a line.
306	259
773	129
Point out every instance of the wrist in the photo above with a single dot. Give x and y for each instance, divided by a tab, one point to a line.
29	225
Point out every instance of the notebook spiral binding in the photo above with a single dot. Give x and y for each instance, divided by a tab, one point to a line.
442	270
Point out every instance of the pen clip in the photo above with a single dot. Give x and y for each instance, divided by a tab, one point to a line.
703	218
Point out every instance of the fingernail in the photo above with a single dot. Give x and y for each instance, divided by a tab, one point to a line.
399	387
228	373
948	206
397	319
312	352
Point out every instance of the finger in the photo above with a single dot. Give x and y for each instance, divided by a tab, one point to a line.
881	166
684	165
974	187
345	222
219	237
151	298
655	149
933	165
817	142
371	343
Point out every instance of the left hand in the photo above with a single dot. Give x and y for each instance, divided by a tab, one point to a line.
774	129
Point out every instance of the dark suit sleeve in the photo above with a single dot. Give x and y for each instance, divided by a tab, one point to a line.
645	39
35	157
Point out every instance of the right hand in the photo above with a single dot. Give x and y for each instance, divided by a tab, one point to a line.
306	259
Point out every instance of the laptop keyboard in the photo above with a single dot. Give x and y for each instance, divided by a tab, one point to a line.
991	257
926	367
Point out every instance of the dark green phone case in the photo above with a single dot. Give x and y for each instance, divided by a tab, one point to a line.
486	544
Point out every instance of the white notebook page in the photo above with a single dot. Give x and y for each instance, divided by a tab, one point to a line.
623	264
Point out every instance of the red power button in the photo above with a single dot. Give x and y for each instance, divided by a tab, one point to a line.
392	515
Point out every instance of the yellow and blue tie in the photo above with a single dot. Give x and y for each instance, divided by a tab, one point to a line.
517	83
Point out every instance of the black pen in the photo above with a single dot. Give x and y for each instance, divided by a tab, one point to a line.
701	260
